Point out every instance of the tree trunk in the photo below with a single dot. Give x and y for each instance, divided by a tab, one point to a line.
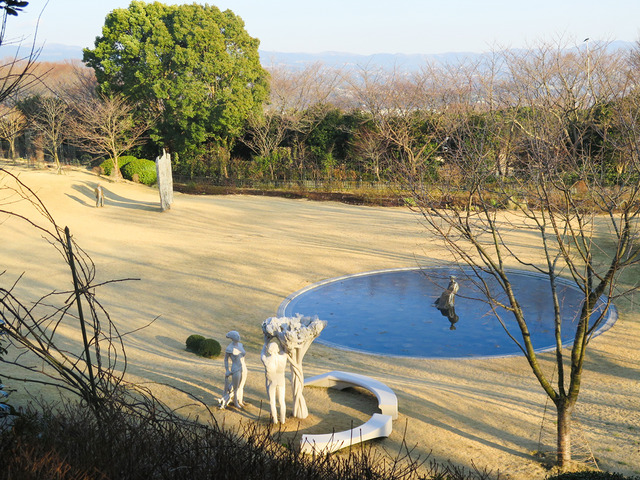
564	434
297	384
115	171
56	159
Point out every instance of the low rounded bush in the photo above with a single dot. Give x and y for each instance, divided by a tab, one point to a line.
144	170
107	165
591	475
209	348
193	342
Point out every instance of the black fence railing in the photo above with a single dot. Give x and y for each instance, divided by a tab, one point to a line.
334	185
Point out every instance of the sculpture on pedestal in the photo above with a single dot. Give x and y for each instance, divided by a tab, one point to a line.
295	334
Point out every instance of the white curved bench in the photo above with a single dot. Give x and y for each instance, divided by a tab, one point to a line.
379	425
387	400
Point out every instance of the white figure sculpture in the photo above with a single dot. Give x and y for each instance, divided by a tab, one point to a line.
236	372
295	334
275	363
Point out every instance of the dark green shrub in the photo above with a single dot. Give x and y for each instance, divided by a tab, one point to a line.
589	475
146	439
107	165
144	169
209	348
193	342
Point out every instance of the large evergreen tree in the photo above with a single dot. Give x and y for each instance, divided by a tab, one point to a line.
193	67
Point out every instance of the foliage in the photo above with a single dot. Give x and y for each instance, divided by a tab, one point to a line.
146	440
330	136
130	166
591	475
4	408
107	165
209	348
210	161
193	342
193	66
205	347
106	125
144	169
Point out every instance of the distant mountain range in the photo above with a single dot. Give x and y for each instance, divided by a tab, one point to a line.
385	60
352	60
57	53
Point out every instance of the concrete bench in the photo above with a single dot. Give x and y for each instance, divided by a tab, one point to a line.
387	400
378	426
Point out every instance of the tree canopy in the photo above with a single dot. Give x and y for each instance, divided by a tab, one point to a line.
193	67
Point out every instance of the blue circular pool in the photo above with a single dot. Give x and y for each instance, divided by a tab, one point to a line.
392	312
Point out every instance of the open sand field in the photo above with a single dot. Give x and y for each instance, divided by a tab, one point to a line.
220	263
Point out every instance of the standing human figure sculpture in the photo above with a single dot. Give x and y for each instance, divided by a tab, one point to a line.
99	196
235	372
275	363
448	298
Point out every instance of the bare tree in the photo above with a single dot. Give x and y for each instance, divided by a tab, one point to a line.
370	147
405	111
264	136
16	72
12	124
299	101
52	122
106	125
550	108
95	370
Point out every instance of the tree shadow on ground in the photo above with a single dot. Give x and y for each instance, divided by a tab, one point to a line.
111	199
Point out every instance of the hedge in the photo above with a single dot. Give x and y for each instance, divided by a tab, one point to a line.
107	165
140	170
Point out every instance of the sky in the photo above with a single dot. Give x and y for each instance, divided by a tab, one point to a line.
367	26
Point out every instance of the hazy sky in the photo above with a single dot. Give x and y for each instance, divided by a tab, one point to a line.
369	26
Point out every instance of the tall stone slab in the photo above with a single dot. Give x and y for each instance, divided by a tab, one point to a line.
165	180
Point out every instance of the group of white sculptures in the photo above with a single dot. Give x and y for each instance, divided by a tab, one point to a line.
288	339
285	339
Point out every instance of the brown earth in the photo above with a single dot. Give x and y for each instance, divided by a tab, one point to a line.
216	263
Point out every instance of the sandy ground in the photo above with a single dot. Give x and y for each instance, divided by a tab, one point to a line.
213	264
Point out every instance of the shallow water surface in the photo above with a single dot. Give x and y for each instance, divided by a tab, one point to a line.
392	312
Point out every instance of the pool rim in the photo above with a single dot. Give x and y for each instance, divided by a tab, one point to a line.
612	314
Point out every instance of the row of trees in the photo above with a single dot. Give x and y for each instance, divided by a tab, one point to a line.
70	119
189	79
322	123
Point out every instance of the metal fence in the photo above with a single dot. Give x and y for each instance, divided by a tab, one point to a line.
334	185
